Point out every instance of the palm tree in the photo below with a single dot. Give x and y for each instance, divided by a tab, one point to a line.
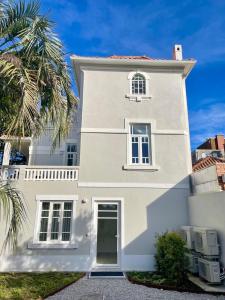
35	88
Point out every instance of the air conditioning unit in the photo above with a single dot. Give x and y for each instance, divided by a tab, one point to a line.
205	241
209	270
187	235
192	263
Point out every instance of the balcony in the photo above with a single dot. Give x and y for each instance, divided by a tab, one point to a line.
39	173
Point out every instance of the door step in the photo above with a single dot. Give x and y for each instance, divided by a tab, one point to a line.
105	275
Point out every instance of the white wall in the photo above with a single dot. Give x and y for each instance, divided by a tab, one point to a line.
205	181
208	210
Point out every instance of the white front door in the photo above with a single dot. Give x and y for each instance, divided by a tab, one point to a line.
107	233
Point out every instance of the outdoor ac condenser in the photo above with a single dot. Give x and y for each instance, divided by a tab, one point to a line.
192	263
187	235
209	270
205	241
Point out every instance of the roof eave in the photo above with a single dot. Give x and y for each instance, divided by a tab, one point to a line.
77	61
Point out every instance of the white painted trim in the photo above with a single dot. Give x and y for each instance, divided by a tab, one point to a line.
133	185
127	122
152	123
141	167
62	244
57	197
103	130
125	131
138	98
51	246
185	66
95	200
169	132
187	140
131	74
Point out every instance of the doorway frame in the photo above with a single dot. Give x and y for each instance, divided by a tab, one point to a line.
120	224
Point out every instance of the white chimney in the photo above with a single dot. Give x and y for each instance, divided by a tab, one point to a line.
177	52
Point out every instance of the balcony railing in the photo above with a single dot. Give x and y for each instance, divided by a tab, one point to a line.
39	173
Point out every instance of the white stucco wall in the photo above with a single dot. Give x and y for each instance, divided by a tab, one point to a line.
207	210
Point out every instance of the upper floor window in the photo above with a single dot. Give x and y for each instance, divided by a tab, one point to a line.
138	84
55	221
71	155
140	144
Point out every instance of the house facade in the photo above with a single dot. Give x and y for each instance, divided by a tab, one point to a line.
121	176
214	147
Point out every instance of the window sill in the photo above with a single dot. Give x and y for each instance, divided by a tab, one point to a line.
138	98
141	167
50	246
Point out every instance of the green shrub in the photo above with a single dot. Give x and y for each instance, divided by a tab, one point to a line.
171	262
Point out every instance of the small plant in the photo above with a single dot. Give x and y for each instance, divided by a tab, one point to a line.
171	262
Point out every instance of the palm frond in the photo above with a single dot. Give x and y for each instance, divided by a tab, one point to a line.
13	208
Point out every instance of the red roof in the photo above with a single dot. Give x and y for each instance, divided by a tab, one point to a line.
206	162
144	57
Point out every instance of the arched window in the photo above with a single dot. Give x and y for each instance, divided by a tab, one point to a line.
138	84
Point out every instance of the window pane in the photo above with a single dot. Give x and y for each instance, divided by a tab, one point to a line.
61	221
54	236
56	206
66	225
138	84
68	205
69	162
135	150
45	205
67	214
44	225
44	213
107	214
42	237
65	237
145	151
73	148
139	129
107	207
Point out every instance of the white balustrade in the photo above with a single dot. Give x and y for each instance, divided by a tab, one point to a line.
10	173
39	173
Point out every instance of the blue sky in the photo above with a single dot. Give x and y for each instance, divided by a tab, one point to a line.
131	27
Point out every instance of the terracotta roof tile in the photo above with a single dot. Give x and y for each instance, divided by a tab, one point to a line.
206	162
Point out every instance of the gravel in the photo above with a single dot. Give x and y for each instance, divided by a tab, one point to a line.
121	289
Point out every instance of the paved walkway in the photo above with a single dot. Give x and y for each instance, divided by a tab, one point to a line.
121	289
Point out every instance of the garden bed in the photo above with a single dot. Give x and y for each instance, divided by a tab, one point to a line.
153	280
33	286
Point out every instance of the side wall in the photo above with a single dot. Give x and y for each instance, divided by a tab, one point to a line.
207	210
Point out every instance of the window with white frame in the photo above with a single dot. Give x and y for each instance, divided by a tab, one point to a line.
138	84
71	154
55	221
140	143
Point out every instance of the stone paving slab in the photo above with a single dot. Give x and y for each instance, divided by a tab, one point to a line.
121	289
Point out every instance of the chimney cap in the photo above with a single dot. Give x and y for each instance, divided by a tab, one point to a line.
177	52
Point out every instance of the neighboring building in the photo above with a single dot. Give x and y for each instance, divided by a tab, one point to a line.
98	201
214	147
208	175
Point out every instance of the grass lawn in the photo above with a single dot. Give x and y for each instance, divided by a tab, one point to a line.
32	286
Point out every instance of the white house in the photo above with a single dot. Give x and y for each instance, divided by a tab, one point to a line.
120	177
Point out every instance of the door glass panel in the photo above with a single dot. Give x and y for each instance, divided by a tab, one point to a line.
107	241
